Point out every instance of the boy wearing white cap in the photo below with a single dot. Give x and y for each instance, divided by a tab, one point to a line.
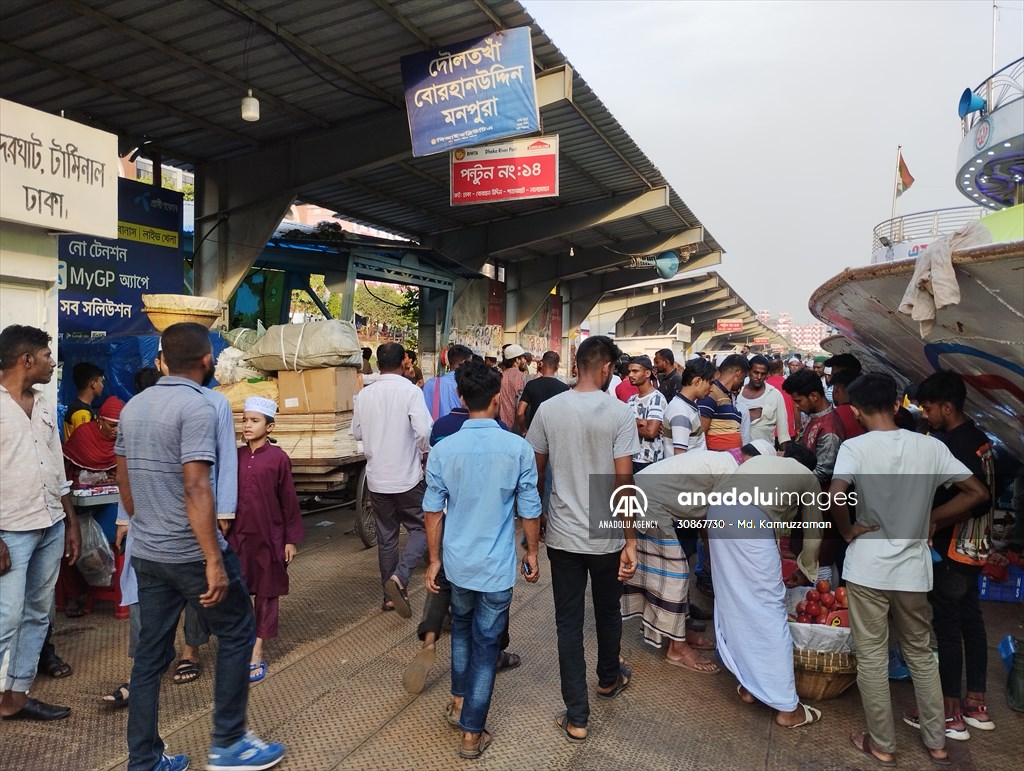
268	523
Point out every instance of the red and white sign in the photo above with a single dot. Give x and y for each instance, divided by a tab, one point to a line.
505	171
729	325
761	341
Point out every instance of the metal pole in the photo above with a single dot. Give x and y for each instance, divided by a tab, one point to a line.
895	185
995	13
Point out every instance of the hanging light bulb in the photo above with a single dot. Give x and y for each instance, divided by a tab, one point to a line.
250	107
572	252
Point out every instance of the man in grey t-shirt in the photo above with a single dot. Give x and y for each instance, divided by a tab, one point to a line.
585	433
166	448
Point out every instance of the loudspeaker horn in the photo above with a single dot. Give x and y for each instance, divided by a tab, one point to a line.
667	264
970	102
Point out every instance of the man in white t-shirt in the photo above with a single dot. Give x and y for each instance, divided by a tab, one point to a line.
763	405
888	570
649	407
681	425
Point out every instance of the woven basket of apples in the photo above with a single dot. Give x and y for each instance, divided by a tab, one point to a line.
823	656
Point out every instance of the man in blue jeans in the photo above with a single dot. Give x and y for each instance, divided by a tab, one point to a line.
166	450
481	473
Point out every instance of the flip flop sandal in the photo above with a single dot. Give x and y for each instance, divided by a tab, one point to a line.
866	750
55	666
691	668
415	676
739	692
451	716
562	721
257	672
118	697
399	597
508	660
811	715
186	672
946	761
624	679
482	743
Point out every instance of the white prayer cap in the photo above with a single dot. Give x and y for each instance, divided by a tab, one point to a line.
763	446
693	357
794	360
262	405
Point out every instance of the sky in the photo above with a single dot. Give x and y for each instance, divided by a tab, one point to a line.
778	123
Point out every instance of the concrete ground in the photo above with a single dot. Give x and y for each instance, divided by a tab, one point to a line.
334	695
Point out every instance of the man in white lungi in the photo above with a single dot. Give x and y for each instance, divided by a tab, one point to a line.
751	624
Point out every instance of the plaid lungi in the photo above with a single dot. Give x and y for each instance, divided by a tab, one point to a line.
658	591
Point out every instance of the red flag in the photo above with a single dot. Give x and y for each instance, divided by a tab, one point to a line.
903	178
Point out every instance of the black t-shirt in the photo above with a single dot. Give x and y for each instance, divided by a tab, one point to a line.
670	384
539	390
964	442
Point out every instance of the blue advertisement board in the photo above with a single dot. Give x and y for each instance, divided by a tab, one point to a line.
471	92
101	281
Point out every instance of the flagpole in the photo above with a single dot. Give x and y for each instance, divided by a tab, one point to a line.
895	187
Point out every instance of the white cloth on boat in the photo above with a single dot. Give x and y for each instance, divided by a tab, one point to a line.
934	285
751	626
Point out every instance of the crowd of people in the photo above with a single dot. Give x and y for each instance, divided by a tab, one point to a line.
210	528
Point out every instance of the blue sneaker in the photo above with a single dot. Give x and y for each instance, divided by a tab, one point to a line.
247	754
173	763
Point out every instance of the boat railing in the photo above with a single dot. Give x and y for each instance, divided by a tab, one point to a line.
925	225
1002	88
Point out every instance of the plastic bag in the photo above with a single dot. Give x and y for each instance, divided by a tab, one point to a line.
96	559
330	343
244	338
232	368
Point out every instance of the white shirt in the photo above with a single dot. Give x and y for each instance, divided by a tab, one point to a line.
391	419
773	416
681	427
895	475
32	478
615	381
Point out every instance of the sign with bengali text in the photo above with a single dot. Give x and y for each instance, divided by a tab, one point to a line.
100	281
729	325
505	171
475	91
56	173
762	341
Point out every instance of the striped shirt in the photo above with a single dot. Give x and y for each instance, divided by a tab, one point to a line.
724	431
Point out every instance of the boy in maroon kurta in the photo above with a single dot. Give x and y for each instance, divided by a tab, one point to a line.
268	523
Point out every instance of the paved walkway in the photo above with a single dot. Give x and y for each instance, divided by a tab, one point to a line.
334	694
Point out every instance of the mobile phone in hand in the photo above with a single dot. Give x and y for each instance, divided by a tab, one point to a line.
526	568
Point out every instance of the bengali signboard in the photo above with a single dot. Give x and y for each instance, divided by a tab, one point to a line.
729	325
471	92
55	173
506	171
762	341
101	281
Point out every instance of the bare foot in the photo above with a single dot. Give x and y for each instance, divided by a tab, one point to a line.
745	695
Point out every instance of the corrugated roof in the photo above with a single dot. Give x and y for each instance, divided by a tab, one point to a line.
173	74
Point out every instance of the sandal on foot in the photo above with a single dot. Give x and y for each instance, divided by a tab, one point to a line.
624	678
415	676
946	761
703	645
811	715
187	671
508	660
453	717
117	697
476	749
562	721
976	716
398	595
257	672
55	666
865	748
740	690
701	666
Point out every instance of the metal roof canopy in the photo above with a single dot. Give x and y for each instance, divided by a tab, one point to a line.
168	77
697	301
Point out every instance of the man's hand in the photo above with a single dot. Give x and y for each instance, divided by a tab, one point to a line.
534	574
225	526
627	561
430	577
72	541
857	530
289	553
5	558
216	584
797	578
122	531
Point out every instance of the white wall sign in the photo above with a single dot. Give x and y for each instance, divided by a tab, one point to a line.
55	173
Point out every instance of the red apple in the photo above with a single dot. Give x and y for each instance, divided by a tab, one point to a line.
803	618
801	607
828	600
823	587
812	596
841	596
814	609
